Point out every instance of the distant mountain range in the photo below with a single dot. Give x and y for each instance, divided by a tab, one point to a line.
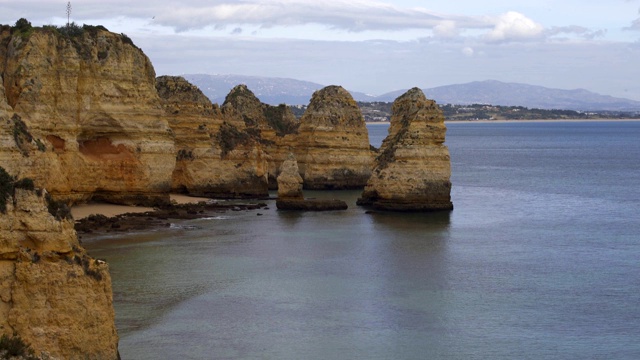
296	92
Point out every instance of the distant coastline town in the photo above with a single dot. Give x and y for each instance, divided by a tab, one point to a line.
381	112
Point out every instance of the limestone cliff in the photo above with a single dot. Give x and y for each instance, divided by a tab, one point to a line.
413	169
333	148
85	119
275	127
52	294
214	157
330	141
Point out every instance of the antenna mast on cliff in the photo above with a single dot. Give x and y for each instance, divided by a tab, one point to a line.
68	12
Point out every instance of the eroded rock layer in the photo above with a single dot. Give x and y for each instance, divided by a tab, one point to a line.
52	294
85	119
413	169
215	156
289	180
275	127
333	148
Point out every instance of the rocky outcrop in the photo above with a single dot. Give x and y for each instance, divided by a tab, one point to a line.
290	195
330	142
413	169
266	120
52	294
85	118
311	204
275	127
289	180
333	148
216	156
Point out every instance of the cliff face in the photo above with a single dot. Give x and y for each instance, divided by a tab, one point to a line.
413	169
275	127
333	148
214	158
52	294
330	141
88	119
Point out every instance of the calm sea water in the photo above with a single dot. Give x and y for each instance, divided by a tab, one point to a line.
539	260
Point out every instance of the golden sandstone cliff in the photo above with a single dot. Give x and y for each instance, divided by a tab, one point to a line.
330	141
84	117
413	169
215	155
52	294
274	127
333	148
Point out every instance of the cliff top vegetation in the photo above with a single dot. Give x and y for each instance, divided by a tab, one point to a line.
70	31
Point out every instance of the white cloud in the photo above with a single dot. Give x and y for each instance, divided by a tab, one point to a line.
468	51
575	30
635	25
354	15
515	26
446	29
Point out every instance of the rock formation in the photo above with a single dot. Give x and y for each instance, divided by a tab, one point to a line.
214	157
274	126
85	119
82	116
290	195
413	169
52	294
333	149
289	180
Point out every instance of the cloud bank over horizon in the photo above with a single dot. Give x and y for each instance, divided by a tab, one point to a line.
376	46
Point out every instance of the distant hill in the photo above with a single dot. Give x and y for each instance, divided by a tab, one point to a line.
514	94
269	90
296	92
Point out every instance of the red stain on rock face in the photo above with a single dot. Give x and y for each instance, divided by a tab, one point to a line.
102	148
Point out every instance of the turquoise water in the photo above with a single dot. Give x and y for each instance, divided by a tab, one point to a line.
539	259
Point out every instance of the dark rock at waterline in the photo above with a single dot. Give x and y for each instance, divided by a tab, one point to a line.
311	204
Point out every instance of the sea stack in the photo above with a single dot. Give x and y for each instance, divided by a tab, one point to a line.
290	195
413	169
289	180
333	148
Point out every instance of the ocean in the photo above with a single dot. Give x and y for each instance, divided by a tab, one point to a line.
540	259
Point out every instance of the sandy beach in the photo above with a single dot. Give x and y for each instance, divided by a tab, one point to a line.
110	210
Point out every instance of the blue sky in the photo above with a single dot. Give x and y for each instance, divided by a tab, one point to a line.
376	46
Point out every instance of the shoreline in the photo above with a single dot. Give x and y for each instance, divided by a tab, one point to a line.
83	211
485	121
108	218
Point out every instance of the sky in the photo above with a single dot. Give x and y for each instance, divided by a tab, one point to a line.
375	46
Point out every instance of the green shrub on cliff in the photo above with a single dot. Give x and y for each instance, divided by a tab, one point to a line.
8	184
275	116
229	137
58	209
25	183
22	28
15	348
6	189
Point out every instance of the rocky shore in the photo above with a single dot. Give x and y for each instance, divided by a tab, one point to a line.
158	217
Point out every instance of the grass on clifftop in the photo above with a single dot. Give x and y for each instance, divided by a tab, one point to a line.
71	31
